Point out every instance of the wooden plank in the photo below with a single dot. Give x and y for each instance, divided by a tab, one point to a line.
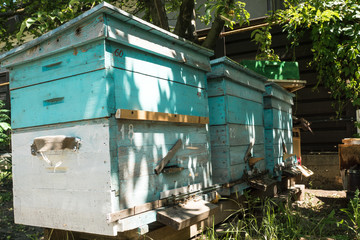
325	136
277	136
237	153
270	102
184	215
310	94
112	217
289	85
132	59
316	107
167	233
221	175
79	33
246	112
147	188
236	134
222	86
131	158
135	91
252	161
230	109
248	152
183	190
73	199
136	221
216	87
149	42
236	72
274	118
276	150
237	171
244	92
85	96
275	91
159	116
138	134
74	61
168	157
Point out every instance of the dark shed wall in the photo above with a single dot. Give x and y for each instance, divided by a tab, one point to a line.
4	90
315	106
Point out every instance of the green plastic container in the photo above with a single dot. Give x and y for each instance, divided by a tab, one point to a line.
274	70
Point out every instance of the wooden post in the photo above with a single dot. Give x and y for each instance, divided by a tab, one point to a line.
168	157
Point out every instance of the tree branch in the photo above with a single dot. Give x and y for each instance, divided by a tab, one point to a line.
213	34
184	19
157	13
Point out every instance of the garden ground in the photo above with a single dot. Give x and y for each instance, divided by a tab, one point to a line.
318	214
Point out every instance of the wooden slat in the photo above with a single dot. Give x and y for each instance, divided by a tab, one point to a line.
168	157
158	116
290	85
252	161
112	217
179	217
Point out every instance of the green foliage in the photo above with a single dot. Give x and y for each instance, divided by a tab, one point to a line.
353	213
263	38
37	17
4	127
266	219
334	28
230	11
6	171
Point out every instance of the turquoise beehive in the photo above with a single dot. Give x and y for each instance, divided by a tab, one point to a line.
236	120
278	127
96	105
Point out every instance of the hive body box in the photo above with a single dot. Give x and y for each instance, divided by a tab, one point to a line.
278	124
236	118
101	78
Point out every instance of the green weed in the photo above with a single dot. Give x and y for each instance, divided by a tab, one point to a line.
266	219
353	214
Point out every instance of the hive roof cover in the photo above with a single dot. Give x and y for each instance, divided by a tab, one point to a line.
107	8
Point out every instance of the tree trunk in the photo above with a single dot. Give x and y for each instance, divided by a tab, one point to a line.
213	34
184	19
157	13
191	31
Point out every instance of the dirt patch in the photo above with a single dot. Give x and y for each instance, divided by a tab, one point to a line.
8	229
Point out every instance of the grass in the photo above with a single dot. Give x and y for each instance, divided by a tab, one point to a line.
255	218
266	219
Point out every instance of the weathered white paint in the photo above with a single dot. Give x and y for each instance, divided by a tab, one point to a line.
76	195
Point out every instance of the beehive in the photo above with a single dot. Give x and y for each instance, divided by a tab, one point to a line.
101	101
278	126
236	119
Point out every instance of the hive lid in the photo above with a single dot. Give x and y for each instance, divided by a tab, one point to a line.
117	13
226	67
276	91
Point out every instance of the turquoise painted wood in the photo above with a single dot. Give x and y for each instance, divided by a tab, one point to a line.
219	87
231	109
236	119
277	150
80	60
138	61
278	125
137	91
277	136
70	82
79	97
274	118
